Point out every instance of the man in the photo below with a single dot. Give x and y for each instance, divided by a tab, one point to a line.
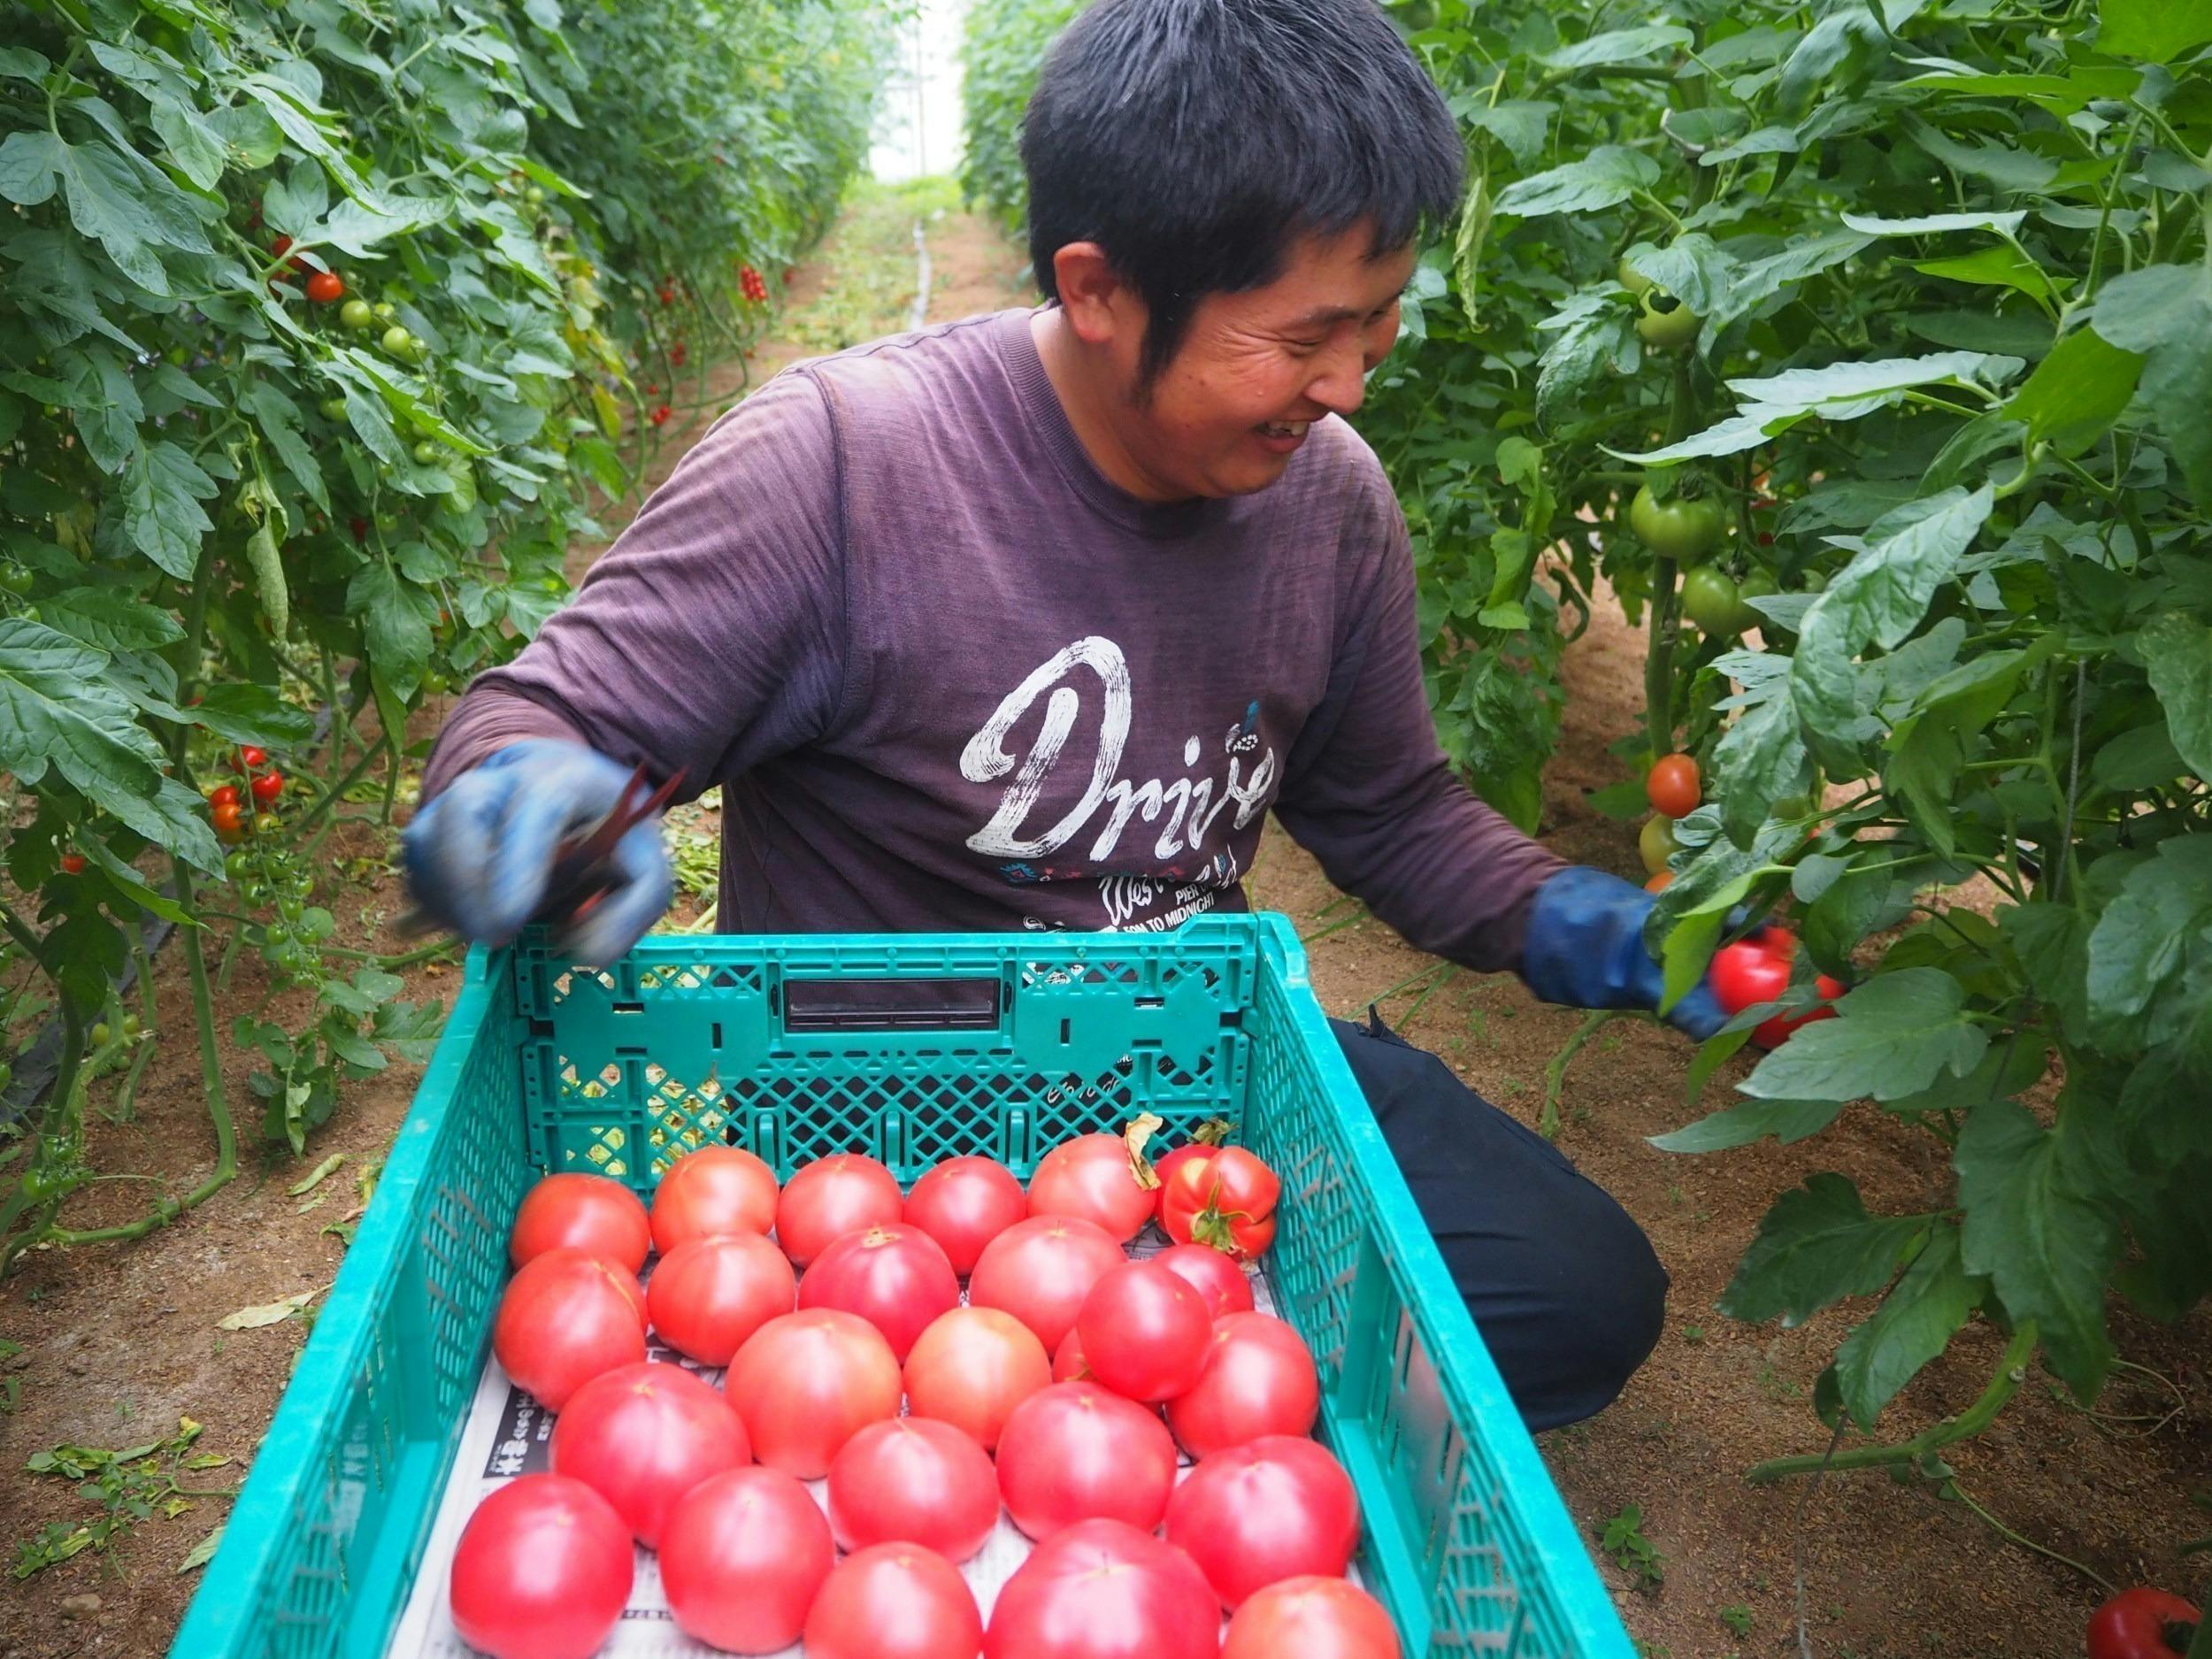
1028	620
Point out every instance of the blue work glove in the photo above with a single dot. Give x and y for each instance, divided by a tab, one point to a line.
478	856
1584	946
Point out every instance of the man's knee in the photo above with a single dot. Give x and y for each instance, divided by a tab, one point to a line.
1606	1318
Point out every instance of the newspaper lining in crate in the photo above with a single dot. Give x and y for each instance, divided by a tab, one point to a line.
510	1435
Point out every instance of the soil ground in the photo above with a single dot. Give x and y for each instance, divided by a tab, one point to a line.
120	1341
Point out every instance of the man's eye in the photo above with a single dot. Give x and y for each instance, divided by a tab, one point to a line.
1307	348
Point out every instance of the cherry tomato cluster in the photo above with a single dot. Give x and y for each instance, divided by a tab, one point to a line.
1757	969
661	412
229	806
1056	1394
754	284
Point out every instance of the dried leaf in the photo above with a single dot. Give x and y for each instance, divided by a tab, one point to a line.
266	1313
322	1172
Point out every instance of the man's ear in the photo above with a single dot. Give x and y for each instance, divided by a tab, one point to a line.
1098	304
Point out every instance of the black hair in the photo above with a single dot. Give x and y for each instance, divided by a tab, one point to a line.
1196	141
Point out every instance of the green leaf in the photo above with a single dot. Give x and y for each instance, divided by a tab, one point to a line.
1915	1322
1519	124
2008	169
201	1553
2033	1231
2177	652
1817	1246
397	619
1893	1035
1928	748
162	490
2157	31
1617	46
1938	224
133	886
1992	267
1786	1120
30	163
1608	175
2143	758
2076	393
109	619
2148	932
245	713
1852	383
196	147
1474	229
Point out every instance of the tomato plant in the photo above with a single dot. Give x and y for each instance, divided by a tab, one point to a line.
893	1602
831	1197
807	1382
913	1481
543	1571
1103	1589
589	1213
643	1435
708	1295
1277	1507
742	1556
565	1318
1076	1451
971	1367
895	1278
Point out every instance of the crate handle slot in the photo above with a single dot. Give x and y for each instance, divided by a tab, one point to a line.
890	1005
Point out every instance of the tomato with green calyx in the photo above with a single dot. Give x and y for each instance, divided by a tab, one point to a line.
1671	786
1708	598
426	453
237	866
1757	585
1657	843
2142	1624
398	342
1678	529
15	580
357	315
1664	322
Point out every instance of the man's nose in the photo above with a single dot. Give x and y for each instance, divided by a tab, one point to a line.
1341	385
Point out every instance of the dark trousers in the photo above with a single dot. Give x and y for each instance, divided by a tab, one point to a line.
1561	1284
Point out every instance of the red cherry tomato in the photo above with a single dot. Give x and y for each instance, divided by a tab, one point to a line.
831	1197
564	1319
1068	1365
1225	1287
325	286
963	1203
229	821
1311	1619
543	1571
1259	1380
1040	1270
1145	1331
1277	1507
893	1602
741	1558
267	785
223	795
1074	1451
1091	1177
642	1436
250	757
707	1296
805	1383
589	1213
1671	786
894	1277
1742	974
971	1367
713	1190
1773	1031
1227	1201
913	1481
2142	1624
73	863
1104	1590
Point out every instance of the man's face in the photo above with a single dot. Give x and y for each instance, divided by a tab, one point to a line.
1226	414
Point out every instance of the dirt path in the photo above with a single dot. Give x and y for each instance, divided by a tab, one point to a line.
119	1342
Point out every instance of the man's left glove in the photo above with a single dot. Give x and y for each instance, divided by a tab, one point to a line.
1584	948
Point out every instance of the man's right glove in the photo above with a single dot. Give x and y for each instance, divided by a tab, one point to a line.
1584	948
477	855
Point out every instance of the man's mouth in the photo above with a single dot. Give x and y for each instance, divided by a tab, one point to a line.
1284	428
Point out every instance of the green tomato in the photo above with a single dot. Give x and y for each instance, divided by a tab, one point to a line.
534	195
16	579
426	453
1629	278
399	343
436	684
357	315
1710	599
238	866
131	1025
1678	529
1758	585
291	909
1656	842
333	408
254	894
1664	322
100	1034
384	311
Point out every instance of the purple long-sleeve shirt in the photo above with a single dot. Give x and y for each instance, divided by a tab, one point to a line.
949	676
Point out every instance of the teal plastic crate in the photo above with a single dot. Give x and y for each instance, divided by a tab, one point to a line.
913	1048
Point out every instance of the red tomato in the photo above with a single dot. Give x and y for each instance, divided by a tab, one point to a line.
831	1197
223	795
1223	1285
1671	786
1276	1508
707	1297
73	863
972	1368
1311	1619
1227	1201
894	1601
325	286
1068	1365
1145	1331
913	1481
741	1558
1075	1451
267	785
251	756
1258	1379
713	1190
1742	974
642	1436
894	1277
2142	1623
806	1383
589	1213
1772	1033
1165	1166
1091	1177
566	1318
1104	1590
963	1203
543	1571
1040	1270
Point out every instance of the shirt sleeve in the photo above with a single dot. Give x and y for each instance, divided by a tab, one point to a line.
1367	788
711	636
